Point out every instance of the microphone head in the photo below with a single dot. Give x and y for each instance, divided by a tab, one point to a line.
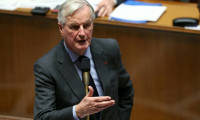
85	64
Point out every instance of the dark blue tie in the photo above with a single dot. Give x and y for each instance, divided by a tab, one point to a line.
91	83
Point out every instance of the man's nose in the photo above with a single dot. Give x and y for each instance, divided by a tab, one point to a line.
81	32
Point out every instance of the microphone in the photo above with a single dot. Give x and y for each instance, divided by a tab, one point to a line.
85	67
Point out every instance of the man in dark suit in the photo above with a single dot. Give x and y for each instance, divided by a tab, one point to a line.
60	93
105	7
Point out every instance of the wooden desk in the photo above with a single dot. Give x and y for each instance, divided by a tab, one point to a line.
163	61
4	117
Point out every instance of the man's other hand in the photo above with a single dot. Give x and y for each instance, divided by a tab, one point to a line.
105	7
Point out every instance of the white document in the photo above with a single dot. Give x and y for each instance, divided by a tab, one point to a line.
193	28
13	4
137	12
40	3
8	7
8	4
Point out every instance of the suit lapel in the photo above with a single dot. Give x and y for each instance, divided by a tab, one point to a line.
100	62
69	72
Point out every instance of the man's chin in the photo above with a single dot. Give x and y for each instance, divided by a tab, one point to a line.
81	49
83	46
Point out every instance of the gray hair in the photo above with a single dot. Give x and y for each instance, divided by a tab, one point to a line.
70	6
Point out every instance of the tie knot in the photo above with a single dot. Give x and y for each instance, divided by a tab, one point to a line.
83	63
81	57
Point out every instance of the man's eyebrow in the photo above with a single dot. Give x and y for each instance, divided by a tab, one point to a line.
76	24
88	21
72	24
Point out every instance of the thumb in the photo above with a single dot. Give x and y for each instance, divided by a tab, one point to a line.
91	91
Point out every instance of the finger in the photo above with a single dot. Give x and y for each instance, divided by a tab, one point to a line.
91	91
102	98
101	11
109	12
100	108
104	13
105	104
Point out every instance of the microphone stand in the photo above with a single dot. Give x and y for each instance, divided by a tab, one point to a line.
86	78
85	67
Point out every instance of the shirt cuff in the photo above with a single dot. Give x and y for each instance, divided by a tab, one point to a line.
74	113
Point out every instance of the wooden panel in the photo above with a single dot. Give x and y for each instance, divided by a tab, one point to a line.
4	117
165	70
22	43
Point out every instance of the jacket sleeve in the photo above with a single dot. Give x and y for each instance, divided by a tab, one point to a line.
45	100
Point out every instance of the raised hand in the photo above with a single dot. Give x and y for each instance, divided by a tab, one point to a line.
90	105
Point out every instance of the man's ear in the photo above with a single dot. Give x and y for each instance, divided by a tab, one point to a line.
60	28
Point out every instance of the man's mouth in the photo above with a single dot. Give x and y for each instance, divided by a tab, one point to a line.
81	41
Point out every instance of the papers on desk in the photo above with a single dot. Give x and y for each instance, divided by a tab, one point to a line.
13	4
42	3
193	28
8	4
137	12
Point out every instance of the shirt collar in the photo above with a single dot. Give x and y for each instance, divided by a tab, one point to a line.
74	56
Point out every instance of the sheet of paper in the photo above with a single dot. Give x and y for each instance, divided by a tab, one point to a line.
8	4
8	7
138	12
13	4
42	3
193	28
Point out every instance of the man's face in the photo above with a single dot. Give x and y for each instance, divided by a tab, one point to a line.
77	32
